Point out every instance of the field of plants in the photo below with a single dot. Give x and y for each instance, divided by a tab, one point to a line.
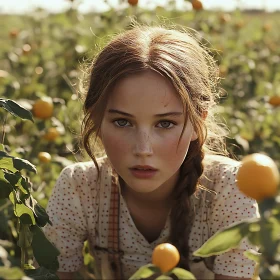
43	59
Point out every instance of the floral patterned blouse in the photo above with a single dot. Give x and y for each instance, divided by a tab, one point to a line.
79	210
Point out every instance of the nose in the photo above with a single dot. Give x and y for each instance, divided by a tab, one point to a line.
143	145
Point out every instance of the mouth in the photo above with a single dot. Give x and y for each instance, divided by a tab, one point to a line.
142	173
143	168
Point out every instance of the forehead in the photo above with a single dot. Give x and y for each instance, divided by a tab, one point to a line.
148	91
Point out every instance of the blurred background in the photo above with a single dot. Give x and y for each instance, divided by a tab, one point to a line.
45	46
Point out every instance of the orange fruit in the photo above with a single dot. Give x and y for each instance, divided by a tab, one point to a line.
239	24
197	5
13	33
132	2
165	256
51	134
258	176
44	157
274	101
266	27
43	108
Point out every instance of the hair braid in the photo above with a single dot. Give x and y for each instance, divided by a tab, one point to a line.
182	213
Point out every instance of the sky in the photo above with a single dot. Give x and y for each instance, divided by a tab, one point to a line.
23	6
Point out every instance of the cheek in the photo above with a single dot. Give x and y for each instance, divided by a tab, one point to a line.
113	143
175	151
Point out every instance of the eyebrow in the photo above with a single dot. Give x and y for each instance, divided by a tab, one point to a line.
114	111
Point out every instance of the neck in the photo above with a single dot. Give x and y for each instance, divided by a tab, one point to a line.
160	198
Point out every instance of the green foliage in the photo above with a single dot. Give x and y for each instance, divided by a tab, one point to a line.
15	190
262	232
223	241
151	271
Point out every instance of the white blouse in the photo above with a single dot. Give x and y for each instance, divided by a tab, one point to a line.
79	208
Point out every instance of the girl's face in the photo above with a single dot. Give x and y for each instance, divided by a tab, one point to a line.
133	132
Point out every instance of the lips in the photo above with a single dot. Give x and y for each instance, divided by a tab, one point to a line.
143	168
143	174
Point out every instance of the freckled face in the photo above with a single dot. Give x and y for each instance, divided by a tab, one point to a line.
146	139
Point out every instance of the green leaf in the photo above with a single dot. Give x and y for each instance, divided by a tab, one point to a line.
15	109
145	272
21	209
20	164
182	273
44	251
252	255
223	240
7	273
14	163
7	163
13	178
41	216
25	237
164	277
26	184
5	187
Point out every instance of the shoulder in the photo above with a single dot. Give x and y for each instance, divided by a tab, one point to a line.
219	171
87	170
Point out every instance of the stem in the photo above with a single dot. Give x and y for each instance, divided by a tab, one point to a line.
22	258
3	135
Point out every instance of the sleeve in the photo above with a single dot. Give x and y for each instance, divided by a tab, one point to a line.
69	209
231	206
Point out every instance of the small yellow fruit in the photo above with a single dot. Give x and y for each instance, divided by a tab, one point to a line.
43	108
165	256
258	176
197	5
274	101
44	157
51	134
13	33
132	2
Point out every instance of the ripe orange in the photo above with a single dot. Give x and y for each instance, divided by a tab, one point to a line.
51	134
13	33
44	157
132	2
43	108
239	24
197	5
266	27
258	176
165	256
274	101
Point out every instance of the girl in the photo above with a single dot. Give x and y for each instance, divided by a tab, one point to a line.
150	102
